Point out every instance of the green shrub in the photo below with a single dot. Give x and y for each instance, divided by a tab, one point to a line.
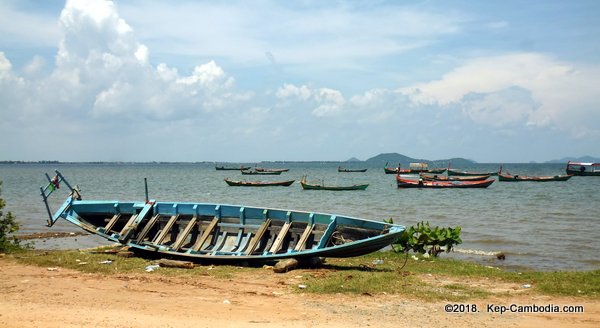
422	238
8	226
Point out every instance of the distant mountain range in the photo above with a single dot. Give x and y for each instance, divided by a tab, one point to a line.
584	159
394	158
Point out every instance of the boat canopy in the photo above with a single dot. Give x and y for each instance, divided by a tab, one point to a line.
584	164
418	166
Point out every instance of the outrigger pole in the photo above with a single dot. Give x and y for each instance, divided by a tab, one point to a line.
53	184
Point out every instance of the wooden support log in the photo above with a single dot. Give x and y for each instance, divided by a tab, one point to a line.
285	265
165	263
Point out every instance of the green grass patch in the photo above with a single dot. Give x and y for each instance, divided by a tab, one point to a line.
109	264
361	275
426	279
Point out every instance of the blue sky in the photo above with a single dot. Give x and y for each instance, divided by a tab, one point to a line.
492	81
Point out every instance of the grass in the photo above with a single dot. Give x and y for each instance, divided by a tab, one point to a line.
439	279
96	262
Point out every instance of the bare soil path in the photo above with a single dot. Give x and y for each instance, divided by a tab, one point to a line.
38	297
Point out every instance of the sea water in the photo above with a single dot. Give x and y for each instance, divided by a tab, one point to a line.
537	225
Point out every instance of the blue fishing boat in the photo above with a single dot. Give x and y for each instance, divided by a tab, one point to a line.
219	233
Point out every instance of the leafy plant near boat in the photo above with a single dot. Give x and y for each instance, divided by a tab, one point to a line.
8	226
424	239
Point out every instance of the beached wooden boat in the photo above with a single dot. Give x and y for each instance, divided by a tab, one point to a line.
410	183
467	173
205	232
254	172
516	178
262	169
341	169
586	169
232	168
437	177
321	186
235	183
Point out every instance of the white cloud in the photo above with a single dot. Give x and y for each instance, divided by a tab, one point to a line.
107	85
209	76
563	92
18	27
5	66
330	102
243	32
290	90
35	65
324	101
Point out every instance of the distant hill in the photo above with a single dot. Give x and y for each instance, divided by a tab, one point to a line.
353	159
395	158
585	159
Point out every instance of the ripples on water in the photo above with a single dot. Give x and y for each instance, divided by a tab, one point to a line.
543	226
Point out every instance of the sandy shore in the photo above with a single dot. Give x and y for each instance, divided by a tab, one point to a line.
38	297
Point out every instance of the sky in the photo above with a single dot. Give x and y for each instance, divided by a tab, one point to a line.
249	81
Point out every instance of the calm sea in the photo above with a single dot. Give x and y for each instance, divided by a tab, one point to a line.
542	226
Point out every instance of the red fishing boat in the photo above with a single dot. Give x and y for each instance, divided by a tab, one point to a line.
420	183
436	177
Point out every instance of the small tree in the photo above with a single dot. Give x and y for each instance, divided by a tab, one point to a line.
8	225
424	239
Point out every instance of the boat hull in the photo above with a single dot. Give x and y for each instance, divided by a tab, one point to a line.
409	183
308	186
234	183
466	173
203	232
433	177
351	170
246	172
226	168
518	178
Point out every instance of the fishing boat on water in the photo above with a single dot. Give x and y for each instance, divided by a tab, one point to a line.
420	183
585	169
424	168
341	169
322	186
468	173
395	170
507	177
219	233
414	168
232	168
262	169
439	177
255	172
235	183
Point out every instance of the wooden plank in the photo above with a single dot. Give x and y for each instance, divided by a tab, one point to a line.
128	225
147	228
183	235
161	236
205	234
302	242
219	243
258	236
280	237
166	263
112	222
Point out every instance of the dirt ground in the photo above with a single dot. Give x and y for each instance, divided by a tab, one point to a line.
42	297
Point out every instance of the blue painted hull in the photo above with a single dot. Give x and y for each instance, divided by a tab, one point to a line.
202	232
